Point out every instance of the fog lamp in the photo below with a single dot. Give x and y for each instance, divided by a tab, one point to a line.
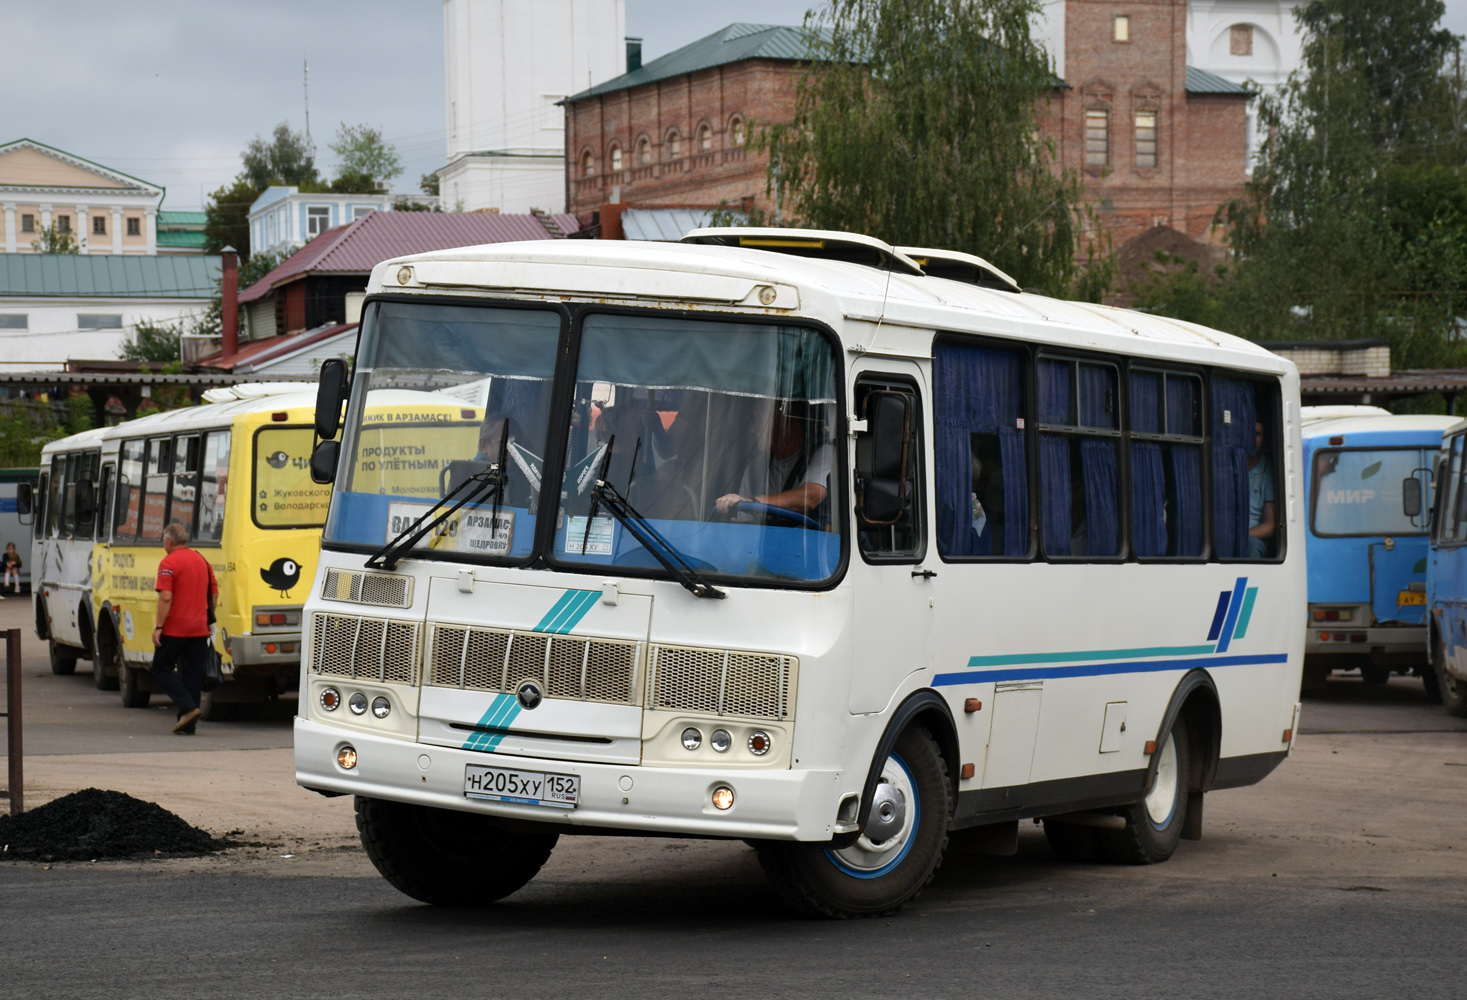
347	758
720	741
723	798
759	744
358	703
330	699
692	739
380	707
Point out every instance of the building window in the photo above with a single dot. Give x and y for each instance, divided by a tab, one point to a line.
737	128
705	138
1242	40
318	220
14	321
63	223
644	150
674	145
1097	137
27	223
1123	27
588	164
1146	140
360	210
134	227
98	321
99	225
615	158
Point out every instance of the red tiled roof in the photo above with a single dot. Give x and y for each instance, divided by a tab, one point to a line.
379	236
265	350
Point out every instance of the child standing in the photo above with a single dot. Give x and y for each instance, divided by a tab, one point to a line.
12	568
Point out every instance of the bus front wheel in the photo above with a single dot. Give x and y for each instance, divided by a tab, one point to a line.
897	854
1453	692
446	857
1154	825
63	659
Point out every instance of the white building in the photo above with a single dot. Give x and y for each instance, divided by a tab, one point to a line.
507	64
283	218
108	211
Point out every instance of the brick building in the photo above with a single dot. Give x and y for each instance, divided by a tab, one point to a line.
673	132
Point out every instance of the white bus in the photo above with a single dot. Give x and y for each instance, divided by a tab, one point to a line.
795	538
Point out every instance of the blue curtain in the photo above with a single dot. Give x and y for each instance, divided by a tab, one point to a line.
1098	462
1145	402
1186	519
1232	443
1097	396
977	390
1148	498
1181	404
1056	393
1054	493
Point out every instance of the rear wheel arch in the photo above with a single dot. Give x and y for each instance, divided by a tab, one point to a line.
84	625
1195	704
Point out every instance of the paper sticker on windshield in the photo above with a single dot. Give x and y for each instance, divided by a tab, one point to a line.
473	531
597	541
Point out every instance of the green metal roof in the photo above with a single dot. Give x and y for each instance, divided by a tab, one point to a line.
1199	81
735	43
182	238
108	276
182	219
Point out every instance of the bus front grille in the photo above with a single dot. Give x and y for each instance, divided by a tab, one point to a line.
722	682
571	667
365	648
383	589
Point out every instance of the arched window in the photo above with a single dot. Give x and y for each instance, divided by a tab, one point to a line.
588	164
1097	137
615	158
674	145
1146	146
644	150
736	131
705	138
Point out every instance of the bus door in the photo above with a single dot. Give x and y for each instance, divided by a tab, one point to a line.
894	587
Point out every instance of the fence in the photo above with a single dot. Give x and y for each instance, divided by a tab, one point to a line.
15	792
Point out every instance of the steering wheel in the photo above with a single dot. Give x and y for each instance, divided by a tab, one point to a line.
769	510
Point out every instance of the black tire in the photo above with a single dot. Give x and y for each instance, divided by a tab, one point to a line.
1453	692
213	709
63	659
1073	842
446	857
1154	825
106	657
1372	674
849	883
130	686
1427	673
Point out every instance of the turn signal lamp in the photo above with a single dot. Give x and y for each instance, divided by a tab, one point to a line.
759	744
347	758
330	699
723	798
280	416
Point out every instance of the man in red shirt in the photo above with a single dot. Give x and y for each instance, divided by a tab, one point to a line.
185	584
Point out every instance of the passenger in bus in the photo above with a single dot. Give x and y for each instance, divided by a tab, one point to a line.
523	467
986	499
790	468
1262	519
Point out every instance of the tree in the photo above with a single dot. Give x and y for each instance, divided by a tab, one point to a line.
363	156
285	159
227	216
152	341
428	184
54	239
916	122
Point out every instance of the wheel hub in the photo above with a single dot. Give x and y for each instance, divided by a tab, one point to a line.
888	813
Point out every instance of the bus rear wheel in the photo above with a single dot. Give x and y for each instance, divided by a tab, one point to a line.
130	687
63	659
446	857
1453	692
1154	825
897	854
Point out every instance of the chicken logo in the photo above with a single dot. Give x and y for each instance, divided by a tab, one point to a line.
282	575
277	460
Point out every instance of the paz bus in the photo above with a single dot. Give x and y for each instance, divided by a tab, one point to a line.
1369	480
1446	576
797	538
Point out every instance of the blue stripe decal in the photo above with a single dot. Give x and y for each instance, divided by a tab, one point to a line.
1217	617
1099	654
501	713
1234	606
1242	629
1100	669
568	611
555	610
579	611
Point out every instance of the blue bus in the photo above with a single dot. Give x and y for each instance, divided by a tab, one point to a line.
1369	485
1446	579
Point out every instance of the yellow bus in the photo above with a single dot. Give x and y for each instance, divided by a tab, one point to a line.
236	473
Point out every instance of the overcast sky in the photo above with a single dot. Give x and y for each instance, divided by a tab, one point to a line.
172	90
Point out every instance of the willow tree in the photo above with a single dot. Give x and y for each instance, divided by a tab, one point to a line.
915	122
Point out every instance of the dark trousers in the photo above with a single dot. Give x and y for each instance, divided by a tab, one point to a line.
178	669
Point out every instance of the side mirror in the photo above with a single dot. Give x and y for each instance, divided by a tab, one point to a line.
86	502
329	397
883	496
25	502
323	461
1411	497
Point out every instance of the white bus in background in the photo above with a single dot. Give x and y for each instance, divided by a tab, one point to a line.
796	538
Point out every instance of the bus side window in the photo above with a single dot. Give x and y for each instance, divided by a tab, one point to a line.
1459	470
1247	520
185	481
906	539
58	493
104	503
982	481
1164	414
1079	459
129	493
83	519
43	486
155	496
213	482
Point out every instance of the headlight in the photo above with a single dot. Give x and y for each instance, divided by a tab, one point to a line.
692	739
358	703
380	707
720	740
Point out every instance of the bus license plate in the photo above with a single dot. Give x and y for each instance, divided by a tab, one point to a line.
1406	597
531	788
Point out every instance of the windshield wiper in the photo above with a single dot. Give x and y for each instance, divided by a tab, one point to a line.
603	493
491	478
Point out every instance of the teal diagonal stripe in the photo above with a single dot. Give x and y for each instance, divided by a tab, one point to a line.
571	614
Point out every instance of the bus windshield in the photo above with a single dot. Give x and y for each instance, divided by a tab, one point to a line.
1361	492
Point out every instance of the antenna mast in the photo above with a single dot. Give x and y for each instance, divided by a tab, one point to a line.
306	89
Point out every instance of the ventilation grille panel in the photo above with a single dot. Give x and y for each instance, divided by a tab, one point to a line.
722	682
382	589
568	667
365	648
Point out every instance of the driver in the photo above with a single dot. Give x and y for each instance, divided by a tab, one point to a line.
793	469
523	466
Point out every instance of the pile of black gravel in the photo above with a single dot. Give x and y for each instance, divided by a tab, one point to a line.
92	824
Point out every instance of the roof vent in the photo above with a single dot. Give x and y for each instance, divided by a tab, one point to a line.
817	243
964	267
